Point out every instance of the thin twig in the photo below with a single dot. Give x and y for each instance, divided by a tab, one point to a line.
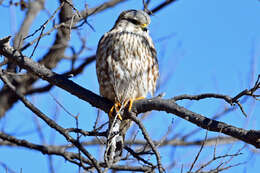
46	22
162	5
149	140
86	133
136	155
50	150
72	6
66	110
43	34
50	122
198	154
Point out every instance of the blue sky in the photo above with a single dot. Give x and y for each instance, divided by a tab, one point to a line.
203	46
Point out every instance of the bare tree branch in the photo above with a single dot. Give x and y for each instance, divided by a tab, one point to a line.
33	9
162	5
174	142
198	154
50	122
141	106
50	60
150	142
88	12
141	154
56	52
71	73
60	151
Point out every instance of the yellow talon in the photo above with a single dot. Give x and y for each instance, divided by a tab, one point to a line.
131	102
116	106
120	117
111	111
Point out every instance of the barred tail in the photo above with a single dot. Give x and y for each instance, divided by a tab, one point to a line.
115	143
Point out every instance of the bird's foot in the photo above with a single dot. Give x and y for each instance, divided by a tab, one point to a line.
116	106
130	101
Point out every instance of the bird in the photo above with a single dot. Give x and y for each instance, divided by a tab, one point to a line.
127	70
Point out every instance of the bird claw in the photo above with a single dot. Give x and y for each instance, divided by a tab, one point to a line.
116	107
131	101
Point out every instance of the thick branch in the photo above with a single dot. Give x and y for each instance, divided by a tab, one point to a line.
72	72
48	121
33	9
50	60
53	78
55	53
248	136
167	105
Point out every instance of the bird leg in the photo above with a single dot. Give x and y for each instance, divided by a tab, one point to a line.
130	101
116	106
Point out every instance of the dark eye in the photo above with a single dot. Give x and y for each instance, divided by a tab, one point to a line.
134	21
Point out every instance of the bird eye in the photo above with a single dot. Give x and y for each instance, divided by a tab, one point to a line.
134	21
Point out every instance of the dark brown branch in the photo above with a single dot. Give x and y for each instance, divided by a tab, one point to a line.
34	8
215	117
81	67
149	141
136	155
173	142
217	158
141	106
73	72
85	133
88	12
39	90
50	122
162	5
42	27
248	136
198	154
228	99
204	96
50	60
51	150
180	142
60	151
56	52
53	78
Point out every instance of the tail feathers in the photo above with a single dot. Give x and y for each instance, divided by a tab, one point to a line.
115	144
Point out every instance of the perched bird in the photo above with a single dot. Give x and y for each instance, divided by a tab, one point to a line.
127	69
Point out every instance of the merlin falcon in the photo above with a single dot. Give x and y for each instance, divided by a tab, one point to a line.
127	70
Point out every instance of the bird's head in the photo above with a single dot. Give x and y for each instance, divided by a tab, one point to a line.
134	18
